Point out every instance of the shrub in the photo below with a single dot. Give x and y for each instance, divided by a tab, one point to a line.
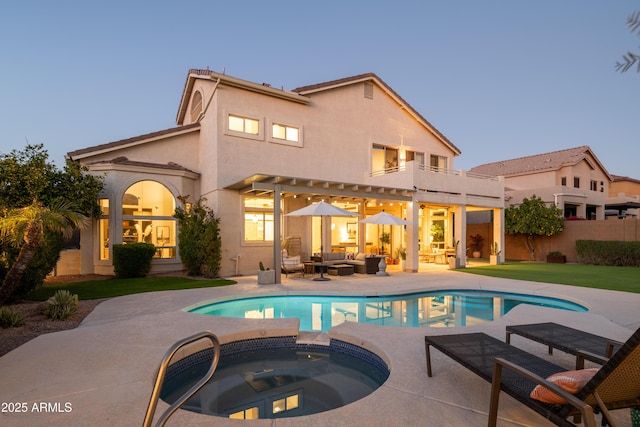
61	305
199	238
43	263
132	259
608	252
10	318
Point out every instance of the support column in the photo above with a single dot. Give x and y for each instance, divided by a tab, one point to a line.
277	233
460	233
498	232
413	256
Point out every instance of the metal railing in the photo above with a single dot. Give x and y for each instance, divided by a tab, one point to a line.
162	370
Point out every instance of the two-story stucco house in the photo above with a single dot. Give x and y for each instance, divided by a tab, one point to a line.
256	152
573	179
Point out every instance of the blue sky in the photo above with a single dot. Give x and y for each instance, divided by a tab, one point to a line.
500	78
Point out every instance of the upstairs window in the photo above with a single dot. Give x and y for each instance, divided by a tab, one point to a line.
416	157
576	182
383	159
593	185
563	181
286	134
438	163
196	106
244	125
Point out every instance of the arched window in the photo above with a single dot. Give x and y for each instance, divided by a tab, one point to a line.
196	106
147	216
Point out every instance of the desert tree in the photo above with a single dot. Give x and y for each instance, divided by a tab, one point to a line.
533	218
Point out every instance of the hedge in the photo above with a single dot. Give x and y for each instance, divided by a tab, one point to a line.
132	259
608	252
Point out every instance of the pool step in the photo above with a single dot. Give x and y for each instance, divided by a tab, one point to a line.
318	338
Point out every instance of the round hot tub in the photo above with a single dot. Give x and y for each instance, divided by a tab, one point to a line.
276	378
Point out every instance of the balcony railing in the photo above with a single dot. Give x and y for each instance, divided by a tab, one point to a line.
412	176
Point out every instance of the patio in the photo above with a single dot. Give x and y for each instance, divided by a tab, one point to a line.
104	369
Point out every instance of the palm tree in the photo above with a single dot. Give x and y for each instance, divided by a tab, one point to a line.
25	227
630	58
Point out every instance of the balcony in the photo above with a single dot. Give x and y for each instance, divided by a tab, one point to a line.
443	185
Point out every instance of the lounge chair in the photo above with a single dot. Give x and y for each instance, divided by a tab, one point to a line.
615	385
566	339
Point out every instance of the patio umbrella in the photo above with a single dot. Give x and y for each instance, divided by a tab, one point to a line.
321	209
383	219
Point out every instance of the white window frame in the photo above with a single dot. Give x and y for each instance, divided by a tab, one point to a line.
273	139
261	212
246	135
440	159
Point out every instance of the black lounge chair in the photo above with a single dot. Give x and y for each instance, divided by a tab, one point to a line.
616	385
566	339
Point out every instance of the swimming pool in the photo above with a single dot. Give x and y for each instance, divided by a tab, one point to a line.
276	378
425	309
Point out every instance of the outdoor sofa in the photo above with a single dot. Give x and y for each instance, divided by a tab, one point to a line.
362	263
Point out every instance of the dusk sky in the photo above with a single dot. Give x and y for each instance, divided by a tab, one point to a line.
500	78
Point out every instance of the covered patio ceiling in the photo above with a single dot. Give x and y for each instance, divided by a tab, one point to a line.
260	185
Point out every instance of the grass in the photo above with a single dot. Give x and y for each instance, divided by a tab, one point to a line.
110	288
626	279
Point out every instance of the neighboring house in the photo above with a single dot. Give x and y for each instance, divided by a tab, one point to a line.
624	197
256	152
573	179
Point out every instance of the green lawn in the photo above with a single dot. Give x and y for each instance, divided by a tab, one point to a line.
116	287
625	279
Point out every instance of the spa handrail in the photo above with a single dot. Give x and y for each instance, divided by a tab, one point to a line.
162	370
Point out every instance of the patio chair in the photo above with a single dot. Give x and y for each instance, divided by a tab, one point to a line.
566	339
292	264
615	385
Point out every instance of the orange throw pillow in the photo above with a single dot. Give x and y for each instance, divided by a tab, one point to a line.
571	381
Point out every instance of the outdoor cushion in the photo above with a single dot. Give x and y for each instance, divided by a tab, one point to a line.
571	381
292	261
361	256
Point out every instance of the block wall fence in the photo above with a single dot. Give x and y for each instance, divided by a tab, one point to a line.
627	229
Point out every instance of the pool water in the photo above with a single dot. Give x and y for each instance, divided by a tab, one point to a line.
277	380
425	309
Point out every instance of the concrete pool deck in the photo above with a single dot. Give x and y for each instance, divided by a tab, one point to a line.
101	373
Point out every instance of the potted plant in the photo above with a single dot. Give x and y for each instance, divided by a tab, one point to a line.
401	253
476	245
495	252
454	261
384	238
556	257
266	276
437	233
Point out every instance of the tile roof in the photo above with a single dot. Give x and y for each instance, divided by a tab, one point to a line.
536	163
617	178
125	161
133	140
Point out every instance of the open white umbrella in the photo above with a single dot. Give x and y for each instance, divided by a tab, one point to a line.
321	209
383	219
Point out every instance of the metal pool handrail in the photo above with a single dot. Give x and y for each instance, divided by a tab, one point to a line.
162	370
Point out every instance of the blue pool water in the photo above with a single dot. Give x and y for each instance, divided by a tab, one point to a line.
276	378
431	309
